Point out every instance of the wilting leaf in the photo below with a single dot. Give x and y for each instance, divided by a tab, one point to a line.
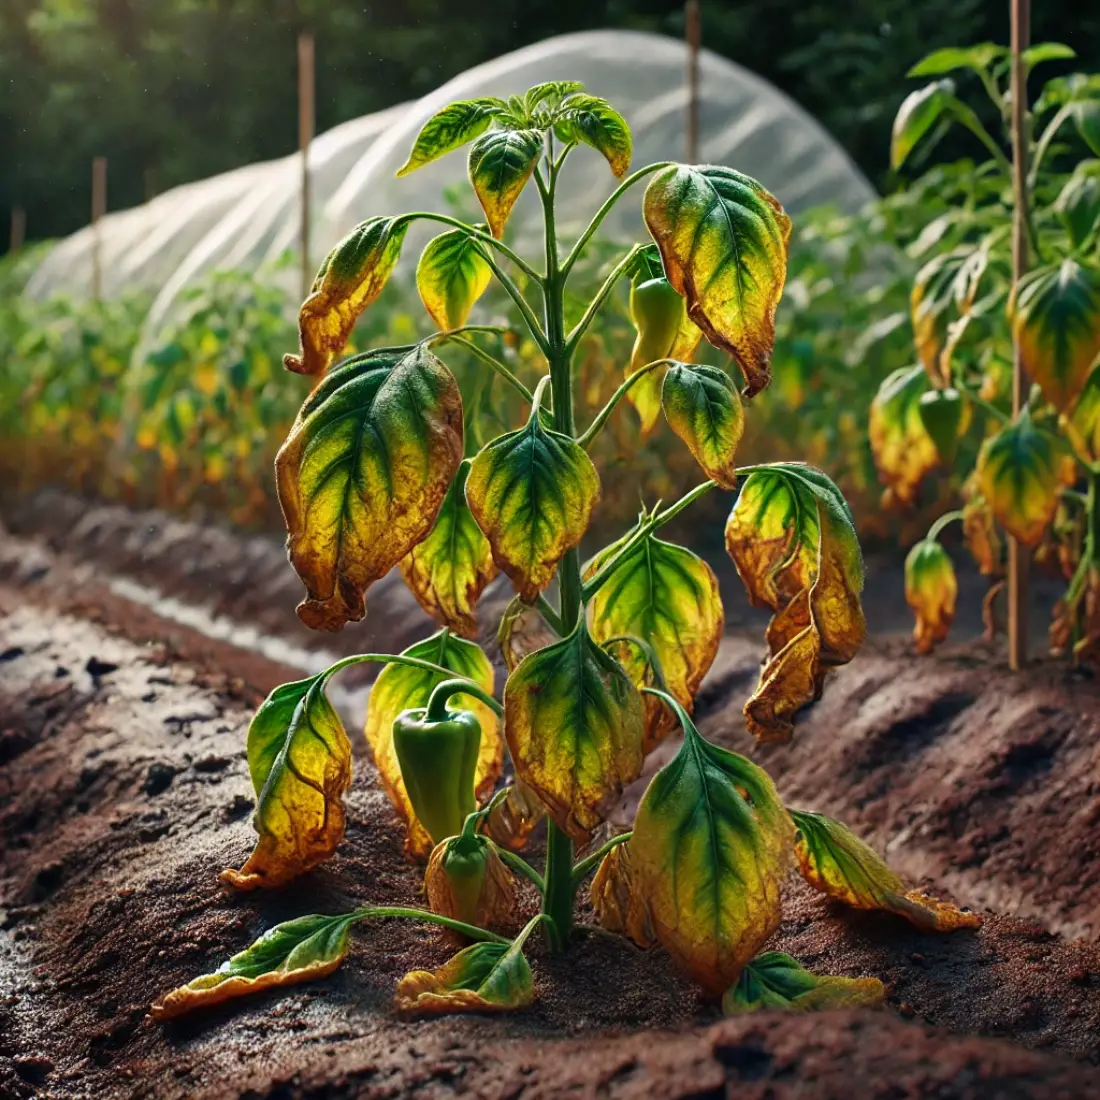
1021	472
703	409
573	721
1056	322
594	121
449	570
792	539
774	980
1082	427
1078	203
402	687
532	492
466	880
710	850
351	277
835	861
522	630
550	92
668	597
723	241
931	591
450	129
501	163
299	758
904	452
515	817
979	530
295	951
485	977
919	112
364	472
948	281
642	665
451	276
619	904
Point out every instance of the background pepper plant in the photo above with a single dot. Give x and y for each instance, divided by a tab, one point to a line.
1038	476
374	474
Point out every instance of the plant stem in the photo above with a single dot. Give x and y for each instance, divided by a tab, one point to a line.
490	361
437	701
601	417
480	236
585	865
553	619
521	867
469	930
942	522
608	286
391	659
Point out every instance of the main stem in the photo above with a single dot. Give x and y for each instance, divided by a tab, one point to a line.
557	899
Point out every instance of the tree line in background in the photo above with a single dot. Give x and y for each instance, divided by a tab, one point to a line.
176	90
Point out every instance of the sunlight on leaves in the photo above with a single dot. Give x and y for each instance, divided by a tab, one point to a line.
593	121
918	113
703	409
485	977
450	276
501	163
450	129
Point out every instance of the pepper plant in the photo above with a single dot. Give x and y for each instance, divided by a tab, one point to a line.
602	666
1037	476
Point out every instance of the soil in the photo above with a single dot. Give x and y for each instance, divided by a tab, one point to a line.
124	790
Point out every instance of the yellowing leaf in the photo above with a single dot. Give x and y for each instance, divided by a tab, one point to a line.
723	241
573	721
466	880
351	277
835	861
710	850
1021	472
930	590
532	492
619	904
775	981
979	531
515	817
501	163
450	129
402	687
1082	426
1056	322
522	630
299	758
919	112
295	951
903	451
931	300
364	472
485	977
449	570
703	409
594	121
451	276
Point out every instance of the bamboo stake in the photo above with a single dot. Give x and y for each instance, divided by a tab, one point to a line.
18	229
99	208
306	123
693	34
1019	557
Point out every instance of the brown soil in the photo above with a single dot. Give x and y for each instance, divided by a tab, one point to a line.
123	791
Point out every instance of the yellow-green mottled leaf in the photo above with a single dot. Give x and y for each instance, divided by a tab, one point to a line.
592	120
350	278
485	977
983	540
723	241
449	570
948	282
573	721
617	899
532	492
295	951
703	409
363	474
903	450
522	630
403	687
450	129
550	92
776	981
300	760
515	817
1021	472
710	850
501	163
1056	321
930	590
835	861
450	276
918	113
1083	425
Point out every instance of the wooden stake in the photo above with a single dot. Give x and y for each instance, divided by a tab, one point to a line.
693	34
1019	557
306	122
99	208
18	229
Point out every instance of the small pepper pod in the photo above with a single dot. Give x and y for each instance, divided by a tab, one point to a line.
658	313
438	760
467	881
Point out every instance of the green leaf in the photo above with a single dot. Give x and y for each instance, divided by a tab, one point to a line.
703	409
485	977
351	277
450	129
1086	114
552	92
710	852
723	241
363	474
1056	322
532	492
1046	51
299	758
775	980
593	121
501	163
918	113
1078	203
295	951
979	58
451	276
573	721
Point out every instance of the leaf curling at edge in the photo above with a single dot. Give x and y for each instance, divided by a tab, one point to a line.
617	900
451	275
903	451
775	980
500	164
701	406
450	128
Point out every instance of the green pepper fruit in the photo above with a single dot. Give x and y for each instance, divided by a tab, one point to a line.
657	312
941	413
438	762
